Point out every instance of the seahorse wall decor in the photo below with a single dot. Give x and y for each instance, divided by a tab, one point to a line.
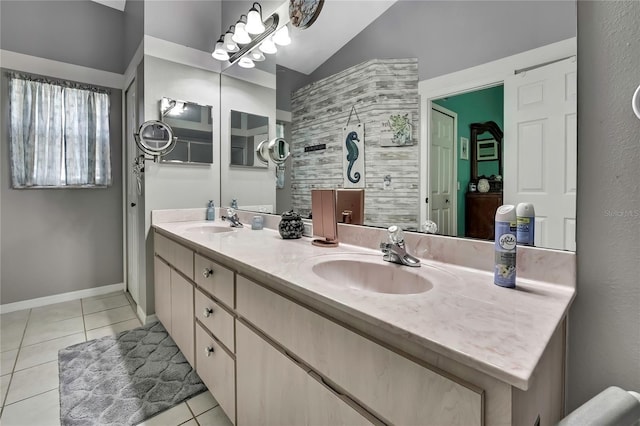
353	156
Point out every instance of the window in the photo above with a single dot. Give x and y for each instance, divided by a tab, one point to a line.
59	134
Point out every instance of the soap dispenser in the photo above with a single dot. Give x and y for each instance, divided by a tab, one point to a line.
211	211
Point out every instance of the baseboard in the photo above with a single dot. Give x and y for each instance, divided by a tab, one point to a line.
151	318
57	298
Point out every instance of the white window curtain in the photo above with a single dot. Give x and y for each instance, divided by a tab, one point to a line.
59	134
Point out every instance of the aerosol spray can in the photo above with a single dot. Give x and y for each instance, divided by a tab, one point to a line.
526	217
505	246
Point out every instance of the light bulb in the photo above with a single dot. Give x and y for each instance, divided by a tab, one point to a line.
281	37
229	44
241	35
220	53
254	22
268	46
257	55
246	62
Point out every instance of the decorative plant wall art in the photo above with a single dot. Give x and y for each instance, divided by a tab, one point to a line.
303	13
353	155
397	130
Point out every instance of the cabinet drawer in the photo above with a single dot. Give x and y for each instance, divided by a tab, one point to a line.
398	389
218	321
215	279
217	370
178	256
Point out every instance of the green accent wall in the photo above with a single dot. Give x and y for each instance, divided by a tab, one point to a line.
475	107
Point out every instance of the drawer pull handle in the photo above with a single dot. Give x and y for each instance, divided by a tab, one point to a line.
207	312
207	272
208	350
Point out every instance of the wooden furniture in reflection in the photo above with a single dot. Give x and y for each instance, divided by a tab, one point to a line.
480	214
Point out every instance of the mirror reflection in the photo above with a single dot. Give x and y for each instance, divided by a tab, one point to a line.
192	125
504	70
247	132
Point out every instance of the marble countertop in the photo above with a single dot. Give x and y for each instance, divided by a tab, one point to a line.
465	317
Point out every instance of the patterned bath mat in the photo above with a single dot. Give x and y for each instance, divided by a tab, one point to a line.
124	379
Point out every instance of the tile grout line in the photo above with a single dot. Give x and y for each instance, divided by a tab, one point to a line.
15	363
193	416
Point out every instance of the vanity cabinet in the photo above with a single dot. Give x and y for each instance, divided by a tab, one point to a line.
269	358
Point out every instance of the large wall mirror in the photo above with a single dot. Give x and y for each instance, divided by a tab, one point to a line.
192	125
325	85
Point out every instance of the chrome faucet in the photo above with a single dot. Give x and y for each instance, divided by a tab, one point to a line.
395	250
232	217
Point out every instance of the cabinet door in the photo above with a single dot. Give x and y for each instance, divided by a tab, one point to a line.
273	390
398	389
162	290
182	322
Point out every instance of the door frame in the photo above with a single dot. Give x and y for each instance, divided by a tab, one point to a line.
479	77
130	227
454	204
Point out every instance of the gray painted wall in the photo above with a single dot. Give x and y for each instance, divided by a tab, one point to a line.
133	29
77	32
191	23
448	36
604	322
287	81
60	240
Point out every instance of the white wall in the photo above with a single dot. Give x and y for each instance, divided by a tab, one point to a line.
169	186
249	185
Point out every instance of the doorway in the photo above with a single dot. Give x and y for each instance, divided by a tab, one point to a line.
475	106
133	192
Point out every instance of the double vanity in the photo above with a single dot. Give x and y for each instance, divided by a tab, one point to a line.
284	332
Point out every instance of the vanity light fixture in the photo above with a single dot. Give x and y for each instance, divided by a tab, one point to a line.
281	37
245	62
220	53
254	37
230	45
268	46
254	20
241	36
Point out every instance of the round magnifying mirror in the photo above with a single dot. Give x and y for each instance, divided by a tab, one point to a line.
155	138
262	151
278	150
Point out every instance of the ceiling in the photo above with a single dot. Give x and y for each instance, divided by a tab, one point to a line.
116	4
338	22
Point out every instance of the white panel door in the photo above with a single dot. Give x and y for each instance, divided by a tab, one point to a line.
442	199
540	145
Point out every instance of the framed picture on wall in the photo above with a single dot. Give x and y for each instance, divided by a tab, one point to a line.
464	148
487	150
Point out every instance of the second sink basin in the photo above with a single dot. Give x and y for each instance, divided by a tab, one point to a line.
208	229
373	275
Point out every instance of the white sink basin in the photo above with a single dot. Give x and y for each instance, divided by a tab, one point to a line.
208	229
371	274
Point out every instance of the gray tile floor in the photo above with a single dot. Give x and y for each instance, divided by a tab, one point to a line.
29	344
